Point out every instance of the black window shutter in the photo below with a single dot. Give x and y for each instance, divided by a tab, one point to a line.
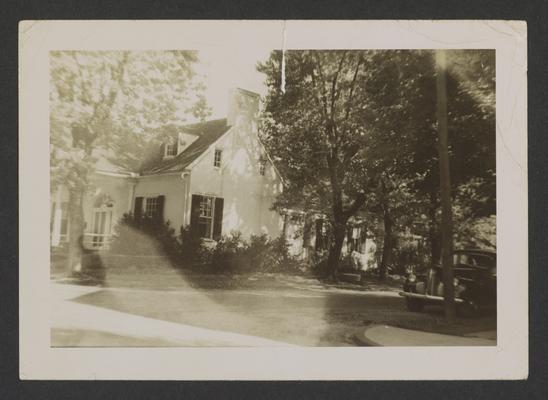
161	201
138	207
195	212
218	218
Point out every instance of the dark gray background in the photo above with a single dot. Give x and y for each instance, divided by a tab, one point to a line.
534	12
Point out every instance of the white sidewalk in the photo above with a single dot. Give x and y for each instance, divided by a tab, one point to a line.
384	335
72	316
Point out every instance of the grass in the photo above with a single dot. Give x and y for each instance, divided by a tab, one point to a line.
162	275
161	291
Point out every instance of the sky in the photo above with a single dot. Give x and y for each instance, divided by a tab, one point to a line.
229	67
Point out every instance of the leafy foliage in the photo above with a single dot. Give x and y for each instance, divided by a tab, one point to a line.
105	107
260	254
191	250
143	236
356	132
111	104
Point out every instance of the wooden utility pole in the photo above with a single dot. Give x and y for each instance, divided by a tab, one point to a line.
445	188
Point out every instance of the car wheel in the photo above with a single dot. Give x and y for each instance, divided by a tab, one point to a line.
414	304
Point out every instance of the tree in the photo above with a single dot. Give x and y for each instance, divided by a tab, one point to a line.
406	141
108	104
317	126
351	127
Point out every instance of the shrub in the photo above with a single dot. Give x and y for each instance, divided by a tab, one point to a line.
318	263
234	254
190	251
143	236
271	255
350	263
408	255
257	252
229	254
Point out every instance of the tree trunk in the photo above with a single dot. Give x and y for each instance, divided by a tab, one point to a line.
339	232
76	230
433	233
445	188
387	244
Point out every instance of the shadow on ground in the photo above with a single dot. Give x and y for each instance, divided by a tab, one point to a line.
288	308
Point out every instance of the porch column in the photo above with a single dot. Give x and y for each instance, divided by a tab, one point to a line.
131	196
57	215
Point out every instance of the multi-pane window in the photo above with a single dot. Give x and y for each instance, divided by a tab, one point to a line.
205	220
217	158
151	206
64	222
171	149
102	220
354	238
59	221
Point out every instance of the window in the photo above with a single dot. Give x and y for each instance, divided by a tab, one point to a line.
171	149
205	221
262	167
217	158
102	220
473	260
206	216
151	206
356	237
64	220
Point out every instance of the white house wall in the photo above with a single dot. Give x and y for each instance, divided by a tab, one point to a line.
170	186
114	188
118	189
247	194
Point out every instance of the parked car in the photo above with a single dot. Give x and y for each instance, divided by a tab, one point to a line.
475	280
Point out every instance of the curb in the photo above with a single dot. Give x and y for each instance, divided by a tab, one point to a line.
362	340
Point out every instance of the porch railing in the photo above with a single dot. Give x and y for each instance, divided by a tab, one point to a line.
96	241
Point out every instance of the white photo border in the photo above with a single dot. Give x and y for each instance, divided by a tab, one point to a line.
507	360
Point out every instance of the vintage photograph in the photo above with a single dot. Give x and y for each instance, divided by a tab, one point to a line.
273	200
321	197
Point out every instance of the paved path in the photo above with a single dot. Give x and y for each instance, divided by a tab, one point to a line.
85	325
384	335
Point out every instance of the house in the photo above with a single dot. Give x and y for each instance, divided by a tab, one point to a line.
215	177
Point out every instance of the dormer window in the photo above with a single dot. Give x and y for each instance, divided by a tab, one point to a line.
171	149
217	158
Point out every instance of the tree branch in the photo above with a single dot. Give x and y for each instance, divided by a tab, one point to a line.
353	86
334	84
322	87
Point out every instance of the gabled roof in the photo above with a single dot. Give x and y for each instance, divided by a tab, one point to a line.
208	133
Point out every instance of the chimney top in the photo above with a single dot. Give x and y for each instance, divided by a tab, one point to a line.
242	103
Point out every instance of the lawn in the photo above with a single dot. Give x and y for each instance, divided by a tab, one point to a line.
298	309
